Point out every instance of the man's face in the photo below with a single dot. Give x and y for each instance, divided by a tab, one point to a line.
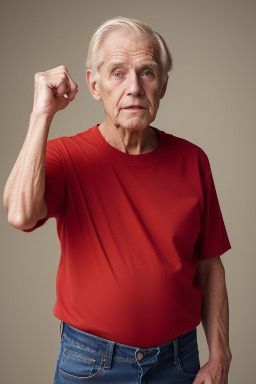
131	83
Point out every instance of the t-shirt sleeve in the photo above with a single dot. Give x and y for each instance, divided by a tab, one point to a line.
55	182
212	240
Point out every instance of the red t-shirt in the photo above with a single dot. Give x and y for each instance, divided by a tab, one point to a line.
131	229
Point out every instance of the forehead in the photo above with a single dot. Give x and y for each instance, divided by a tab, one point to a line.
128	47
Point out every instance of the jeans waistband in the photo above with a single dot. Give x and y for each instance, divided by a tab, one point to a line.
110	349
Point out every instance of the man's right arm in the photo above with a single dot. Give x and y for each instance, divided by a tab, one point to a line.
25	187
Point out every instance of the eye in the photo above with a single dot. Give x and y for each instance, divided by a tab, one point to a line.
147	73
117	74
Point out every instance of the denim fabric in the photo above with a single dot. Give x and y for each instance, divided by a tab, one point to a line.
87	358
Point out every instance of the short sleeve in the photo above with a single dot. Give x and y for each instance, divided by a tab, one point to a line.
212	240
55	182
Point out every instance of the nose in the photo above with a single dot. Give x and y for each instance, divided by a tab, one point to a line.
134	86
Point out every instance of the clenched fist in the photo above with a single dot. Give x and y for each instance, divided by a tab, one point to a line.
54	89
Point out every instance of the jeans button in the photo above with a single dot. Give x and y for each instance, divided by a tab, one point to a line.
140	356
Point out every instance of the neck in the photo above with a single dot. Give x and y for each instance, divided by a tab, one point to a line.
131	141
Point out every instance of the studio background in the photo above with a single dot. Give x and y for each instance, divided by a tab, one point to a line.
210	101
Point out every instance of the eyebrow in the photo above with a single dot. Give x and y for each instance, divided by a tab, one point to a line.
121	64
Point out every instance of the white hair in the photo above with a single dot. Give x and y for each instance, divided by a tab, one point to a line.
95	56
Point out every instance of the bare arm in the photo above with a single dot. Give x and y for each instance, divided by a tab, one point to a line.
25	187
215	320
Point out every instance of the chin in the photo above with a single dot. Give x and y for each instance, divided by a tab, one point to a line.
134	123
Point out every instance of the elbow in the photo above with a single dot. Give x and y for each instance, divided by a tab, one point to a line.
15	219
26	219
22	215
20	222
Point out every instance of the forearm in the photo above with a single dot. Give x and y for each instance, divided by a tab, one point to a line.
24	190
215	312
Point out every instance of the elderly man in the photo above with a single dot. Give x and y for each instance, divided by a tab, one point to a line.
138	219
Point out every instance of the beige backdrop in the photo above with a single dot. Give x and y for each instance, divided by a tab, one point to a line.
210	101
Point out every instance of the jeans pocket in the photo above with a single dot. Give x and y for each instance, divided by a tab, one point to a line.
79	365
188	363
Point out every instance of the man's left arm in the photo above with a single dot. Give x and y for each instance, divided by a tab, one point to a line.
215	321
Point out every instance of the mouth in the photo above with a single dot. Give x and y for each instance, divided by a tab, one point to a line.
134	107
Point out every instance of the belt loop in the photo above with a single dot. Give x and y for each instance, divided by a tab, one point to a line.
109	354
176	351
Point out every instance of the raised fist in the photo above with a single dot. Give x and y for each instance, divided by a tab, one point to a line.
54	89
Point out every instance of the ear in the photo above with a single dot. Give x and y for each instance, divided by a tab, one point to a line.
164	87
93	86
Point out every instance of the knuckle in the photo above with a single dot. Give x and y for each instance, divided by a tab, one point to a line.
74	87
39	77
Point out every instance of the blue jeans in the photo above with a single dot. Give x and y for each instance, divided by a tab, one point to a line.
84	357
